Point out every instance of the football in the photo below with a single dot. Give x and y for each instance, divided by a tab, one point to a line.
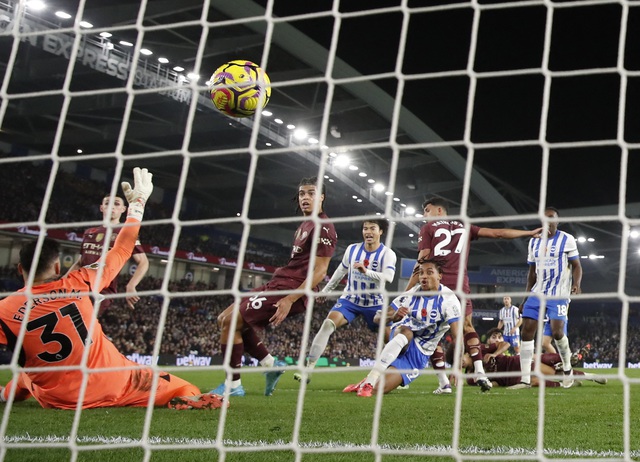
239	88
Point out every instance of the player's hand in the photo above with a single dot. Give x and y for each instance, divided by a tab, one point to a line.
138	195
283	307
360	267
321	299
401	313
142	186
576	290
132	298
537	232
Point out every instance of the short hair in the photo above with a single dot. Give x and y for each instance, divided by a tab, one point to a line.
492	331
311	181
115	196
435	263
381	222
436	201
553	209
49	253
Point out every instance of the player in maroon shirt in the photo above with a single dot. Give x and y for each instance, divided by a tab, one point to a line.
91	252
258	311
448	241
496	361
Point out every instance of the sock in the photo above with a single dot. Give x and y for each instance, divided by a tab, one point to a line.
564	352
437	361
472	346
267	361
526	357
388	355
236	383
320	342
237	351
253	343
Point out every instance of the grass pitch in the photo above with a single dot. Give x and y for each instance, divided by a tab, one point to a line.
587	422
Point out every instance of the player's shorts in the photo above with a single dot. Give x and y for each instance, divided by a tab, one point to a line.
555	309
351	311
547	328
257	309
514	340
413	359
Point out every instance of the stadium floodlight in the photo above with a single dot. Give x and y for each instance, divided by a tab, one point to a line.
64	15
36	5
85	24
163	60
178	68
146	52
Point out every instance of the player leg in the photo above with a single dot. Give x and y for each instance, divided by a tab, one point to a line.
530	313
400	338
547	338
472	346
22	389
402	371
340	315
557	310
237	350
438	363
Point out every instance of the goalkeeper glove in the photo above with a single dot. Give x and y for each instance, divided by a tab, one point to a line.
138	195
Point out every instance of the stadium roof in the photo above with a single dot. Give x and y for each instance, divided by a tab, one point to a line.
353	103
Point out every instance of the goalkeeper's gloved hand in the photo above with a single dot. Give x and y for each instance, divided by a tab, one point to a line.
138	195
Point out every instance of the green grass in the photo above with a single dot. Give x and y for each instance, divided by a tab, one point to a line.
582	422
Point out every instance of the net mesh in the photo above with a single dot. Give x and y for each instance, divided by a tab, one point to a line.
112	98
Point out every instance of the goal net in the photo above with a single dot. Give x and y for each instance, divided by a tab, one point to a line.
502	108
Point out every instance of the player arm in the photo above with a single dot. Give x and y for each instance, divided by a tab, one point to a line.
283	306
532	276
576	275
500	348
142	266
507	233
414	279
337	276
500	324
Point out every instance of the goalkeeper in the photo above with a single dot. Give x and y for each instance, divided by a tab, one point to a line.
58	313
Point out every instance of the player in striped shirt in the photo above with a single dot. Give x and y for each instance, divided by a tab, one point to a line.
554	272
510	322
420	322
368	265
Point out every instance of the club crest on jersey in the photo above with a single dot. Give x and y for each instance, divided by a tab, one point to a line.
99	237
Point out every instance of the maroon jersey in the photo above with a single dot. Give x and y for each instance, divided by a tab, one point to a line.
298	265
91	251
447	240
257	309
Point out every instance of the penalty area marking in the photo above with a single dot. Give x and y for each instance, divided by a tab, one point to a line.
27	441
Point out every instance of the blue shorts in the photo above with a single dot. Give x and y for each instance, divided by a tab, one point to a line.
351	311
555	309
514	340
412	359
547	327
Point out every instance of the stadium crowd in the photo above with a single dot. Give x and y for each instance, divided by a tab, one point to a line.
191	321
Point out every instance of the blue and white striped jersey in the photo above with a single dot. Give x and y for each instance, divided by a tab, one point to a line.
430	316
364	289
553	272
509	317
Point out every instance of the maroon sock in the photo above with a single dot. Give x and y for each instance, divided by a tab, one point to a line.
472	346
237	350
253	343
437	360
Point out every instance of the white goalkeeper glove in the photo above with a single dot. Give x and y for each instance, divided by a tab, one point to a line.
138	195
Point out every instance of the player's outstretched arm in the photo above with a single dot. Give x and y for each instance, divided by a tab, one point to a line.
508	233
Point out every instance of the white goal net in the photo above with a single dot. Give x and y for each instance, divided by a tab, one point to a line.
501	108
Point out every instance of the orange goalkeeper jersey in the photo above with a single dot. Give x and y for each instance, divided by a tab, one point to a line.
57	335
